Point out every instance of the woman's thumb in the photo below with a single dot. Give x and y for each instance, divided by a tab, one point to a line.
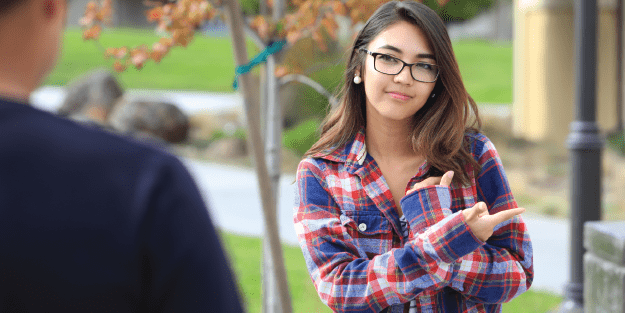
482	209
446	179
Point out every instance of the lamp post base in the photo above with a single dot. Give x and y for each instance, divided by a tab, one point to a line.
570	306
574	299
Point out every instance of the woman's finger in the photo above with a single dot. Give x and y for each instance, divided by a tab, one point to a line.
473	212
446	179
430	181
506	215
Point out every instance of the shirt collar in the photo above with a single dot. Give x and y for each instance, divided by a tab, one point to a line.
352	153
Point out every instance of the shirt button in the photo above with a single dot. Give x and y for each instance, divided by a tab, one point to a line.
362	226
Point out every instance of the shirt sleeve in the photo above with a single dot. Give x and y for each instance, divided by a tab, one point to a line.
184	266
500	269
347	282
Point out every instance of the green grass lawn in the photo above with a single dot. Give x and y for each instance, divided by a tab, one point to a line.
206	64
245	253
486	69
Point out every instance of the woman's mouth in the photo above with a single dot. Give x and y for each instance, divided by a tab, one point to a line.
399	96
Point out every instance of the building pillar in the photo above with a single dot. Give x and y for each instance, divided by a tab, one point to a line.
543	69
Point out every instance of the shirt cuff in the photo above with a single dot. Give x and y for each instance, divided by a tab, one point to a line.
451	238
426	207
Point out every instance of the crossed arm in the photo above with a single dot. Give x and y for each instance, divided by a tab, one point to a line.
445	249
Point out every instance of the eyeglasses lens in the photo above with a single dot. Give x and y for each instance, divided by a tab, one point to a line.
422	72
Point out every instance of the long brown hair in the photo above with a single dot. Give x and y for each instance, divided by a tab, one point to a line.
440	125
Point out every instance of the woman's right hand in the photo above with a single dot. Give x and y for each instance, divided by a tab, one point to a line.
444	180
482	223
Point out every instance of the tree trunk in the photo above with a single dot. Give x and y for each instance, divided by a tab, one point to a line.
235	21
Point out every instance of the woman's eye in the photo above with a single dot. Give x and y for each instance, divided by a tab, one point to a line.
425	66
387	58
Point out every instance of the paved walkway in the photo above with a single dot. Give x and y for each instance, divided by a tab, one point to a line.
233	196
50	98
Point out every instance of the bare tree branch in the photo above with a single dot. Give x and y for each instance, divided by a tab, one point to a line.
311	83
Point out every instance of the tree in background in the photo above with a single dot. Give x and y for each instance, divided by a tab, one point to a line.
273	25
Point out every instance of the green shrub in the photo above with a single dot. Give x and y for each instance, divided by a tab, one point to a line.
302	136
616	141
457	11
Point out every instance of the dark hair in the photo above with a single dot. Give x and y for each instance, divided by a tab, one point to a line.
7	5
439	127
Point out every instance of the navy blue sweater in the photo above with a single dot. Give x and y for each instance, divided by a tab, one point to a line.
92	222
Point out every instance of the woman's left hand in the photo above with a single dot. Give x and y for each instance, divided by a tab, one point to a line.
444	180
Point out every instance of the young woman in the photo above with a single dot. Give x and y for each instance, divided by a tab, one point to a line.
379	227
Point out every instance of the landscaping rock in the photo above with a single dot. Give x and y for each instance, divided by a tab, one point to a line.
204	125
229	148
159	118
91	97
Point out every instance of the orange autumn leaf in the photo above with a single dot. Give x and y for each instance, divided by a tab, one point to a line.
119	67
121	53
331	27
210	14
182	37
293	36
155	14
281	71
168	8
109	52
261	26
167	42
338	7
105	13
92	33
139	59
92	6
318	38
157	56
87	19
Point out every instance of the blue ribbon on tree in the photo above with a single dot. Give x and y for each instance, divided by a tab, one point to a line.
258	59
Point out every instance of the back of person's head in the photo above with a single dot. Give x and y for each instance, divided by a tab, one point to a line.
30	43
7	6
439	126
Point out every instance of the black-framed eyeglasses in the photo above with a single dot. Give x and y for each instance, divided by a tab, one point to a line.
390	65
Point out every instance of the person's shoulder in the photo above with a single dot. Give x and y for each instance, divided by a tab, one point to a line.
56	139
478	143
311	164
476	137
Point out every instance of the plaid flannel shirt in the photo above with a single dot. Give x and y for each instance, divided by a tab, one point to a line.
350	233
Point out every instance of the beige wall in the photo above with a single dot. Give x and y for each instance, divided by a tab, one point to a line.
544	69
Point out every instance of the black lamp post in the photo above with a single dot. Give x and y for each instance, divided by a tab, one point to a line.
585	145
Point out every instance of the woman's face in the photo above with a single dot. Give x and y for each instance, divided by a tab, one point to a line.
397	97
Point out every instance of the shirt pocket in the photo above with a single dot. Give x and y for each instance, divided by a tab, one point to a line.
371	231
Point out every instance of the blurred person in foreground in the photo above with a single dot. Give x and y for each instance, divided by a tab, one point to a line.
404	205
89	221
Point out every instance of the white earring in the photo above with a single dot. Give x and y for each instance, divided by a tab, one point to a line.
433	95
357	80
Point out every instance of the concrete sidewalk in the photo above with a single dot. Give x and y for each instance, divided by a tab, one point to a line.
234	199
50	98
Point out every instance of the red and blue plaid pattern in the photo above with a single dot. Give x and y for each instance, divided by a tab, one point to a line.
351	236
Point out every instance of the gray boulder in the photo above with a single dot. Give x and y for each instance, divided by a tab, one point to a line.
91	96
159	118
